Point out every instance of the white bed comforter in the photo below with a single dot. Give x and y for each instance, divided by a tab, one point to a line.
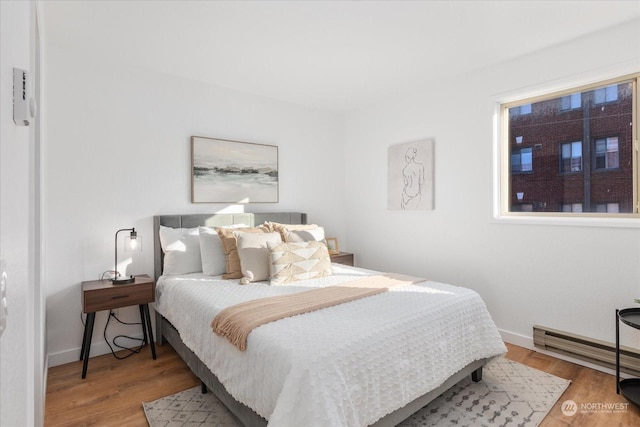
347	365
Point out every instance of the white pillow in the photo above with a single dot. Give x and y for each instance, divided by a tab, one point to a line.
211	252
309	235
254	254
181	247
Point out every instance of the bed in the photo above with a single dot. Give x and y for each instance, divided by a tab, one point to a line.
373	361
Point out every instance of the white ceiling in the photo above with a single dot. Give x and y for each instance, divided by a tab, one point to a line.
333	55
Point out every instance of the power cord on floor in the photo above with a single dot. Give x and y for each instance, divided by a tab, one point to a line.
132	351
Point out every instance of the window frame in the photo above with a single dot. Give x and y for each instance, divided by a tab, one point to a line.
502	169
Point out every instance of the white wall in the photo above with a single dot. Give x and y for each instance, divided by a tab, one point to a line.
119	152
569	278
21	346
104	118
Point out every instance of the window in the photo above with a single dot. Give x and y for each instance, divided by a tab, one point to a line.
585	161
571	102
524	207
605	94
522	160
607	207
520	110
571	157
572	207
607	156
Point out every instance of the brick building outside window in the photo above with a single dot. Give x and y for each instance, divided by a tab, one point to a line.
573	153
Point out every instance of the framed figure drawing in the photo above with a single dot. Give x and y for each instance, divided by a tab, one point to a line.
410	177
225	171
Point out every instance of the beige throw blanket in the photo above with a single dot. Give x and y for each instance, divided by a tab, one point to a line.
236	322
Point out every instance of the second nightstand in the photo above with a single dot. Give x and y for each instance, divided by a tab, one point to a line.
100	295
345	258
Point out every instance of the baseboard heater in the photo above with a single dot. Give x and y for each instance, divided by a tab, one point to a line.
588	349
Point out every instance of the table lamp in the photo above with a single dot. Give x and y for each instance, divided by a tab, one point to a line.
133	244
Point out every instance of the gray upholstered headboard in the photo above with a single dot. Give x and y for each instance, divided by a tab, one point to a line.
215	220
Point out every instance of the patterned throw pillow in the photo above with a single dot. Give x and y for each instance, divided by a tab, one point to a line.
290	262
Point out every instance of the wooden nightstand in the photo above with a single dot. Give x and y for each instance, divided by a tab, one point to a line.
345	258
100	295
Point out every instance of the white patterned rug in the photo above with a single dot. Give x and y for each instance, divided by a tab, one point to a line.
509	394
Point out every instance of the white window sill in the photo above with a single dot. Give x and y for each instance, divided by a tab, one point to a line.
569	221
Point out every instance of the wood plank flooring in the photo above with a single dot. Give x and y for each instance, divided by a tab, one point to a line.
588	387
113	390
112	393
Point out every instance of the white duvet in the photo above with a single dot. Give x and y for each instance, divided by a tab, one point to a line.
347	365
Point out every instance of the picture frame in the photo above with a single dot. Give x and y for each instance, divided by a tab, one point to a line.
332	245
225	171
410	175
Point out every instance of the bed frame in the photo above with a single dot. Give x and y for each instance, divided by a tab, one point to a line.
166	331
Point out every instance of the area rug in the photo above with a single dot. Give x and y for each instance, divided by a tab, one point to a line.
509	394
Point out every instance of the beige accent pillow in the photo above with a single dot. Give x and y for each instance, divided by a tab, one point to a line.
254	254
290	262
284	229
229	245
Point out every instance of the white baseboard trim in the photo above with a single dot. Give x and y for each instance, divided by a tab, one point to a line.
73	355
517	339
527	342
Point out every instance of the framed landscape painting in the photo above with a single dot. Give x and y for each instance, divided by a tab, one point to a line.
225	171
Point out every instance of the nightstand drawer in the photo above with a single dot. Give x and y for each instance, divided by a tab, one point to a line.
108	296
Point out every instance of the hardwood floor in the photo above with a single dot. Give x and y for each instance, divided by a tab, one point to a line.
588	387
112	393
